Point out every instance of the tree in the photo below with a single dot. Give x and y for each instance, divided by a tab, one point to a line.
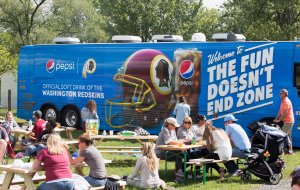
76	18
146	18
19	17
258	20
8	55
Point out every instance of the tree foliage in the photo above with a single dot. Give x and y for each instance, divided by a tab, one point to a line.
19	17
259	20
76	18
146	18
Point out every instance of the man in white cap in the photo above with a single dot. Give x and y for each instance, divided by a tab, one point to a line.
167	136
240	142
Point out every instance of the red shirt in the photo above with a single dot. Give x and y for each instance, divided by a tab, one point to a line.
38	127
57	166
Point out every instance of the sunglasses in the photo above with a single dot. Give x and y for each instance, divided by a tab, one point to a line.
187	122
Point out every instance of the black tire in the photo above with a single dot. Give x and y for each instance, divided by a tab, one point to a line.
50	112
70	117
275	179
246	176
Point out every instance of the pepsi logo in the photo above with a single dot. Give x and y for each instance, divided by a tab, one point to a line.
186	69
50	66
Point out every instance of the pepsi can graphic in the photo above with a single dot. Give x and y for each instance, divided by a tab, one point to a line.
187	77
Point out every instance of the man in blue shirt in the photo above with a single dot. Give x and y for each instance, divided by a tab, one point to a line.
238	137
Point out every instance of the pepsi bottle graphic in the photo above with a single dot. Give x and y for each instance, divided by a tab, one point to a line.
187	79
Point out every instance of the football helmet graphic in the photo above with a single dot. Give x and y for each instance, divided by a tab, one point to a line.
144	91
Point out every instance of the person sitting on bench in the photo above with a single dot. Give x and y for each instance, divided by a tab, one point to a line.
92	157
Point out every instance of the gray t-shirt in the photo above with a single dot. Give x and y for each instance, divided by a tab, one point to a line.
185	134
165	137
95	161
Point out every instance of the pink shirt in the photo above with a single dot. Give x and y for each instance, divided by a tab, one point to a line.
286	104
38	127
57	166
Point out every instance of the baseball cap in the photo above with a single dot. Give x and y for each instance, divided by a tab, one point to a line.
200	117
229	117
173	121
37	113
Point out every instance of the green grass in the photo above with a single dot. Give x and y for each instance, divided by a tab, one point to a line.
124	164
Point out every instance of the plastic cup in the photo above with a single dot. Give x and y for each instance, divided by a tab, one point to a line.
111	132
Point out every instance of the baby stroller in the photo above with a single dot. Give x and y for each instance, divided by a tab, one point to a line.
268	143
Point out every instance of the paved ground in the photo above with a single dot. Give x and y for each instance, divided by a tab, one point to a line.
282	185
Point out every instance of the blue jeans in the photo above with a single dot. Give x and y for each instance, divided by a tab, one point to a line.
58	185
34	150
239	153
95	182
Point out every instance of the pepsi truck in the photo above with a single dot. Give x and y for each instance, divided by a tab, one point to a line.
138	84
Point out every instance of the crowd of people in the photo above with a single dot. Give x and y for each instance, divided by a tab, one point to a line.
53	155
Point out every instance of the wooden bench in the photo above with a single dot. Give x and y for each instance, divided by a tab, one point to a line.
79	166
122	186
69	131
35	179
203	162
119	149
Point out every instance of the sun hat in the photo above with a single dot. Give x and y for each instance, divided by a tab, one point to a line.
229	117
173	121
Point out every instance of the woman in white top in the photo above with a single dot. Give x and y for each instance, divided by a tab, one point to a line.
219	145
145	174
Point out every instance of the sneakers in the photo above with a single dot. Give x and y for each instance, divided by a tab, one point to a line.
237	173
179	179
179	173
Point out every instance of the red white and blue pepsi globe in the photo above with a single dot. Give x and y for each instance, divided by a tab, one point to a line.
186	69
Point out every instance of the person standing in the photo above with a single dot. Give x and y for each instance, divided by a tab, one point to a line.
145	174
240	142
89	112
286	115
181	110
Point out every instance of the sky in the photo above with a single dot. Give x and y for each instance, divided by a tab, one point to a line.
213	3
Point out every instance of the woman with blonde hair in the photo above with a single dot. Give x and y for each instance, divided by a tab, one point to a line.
56	165
218	143
145	174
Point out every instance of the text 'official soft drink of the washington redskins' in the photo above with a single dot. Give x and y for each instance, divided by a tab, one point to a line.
187	71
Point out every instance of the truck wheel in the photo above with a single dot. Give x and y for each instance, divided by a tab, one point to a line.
49	112
70	117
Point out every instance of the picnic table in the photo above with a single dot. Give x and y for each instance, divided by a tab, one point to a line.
26	174
150	138
176	150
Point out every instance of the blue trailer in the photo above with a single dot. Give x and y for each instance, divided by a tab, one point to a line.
138	84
